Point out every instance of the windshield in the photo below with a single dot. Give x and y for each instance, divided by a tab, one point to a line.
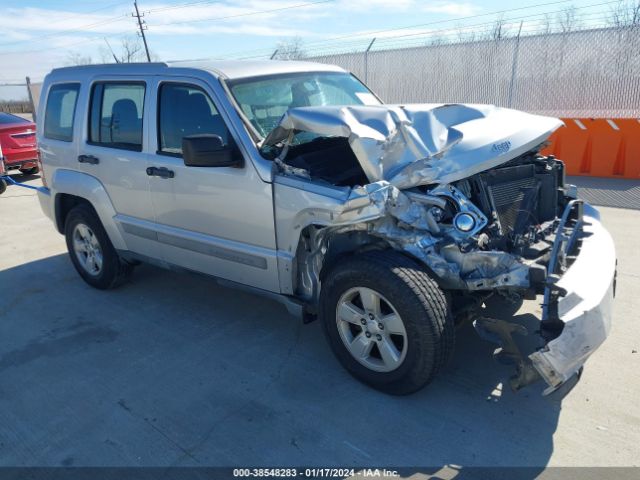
264	100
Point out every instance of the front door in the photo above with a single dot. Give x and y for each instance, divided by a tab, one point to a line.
215	220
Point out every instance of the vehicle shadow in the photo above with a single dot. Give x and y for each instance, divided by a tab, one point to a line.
21	178
172	369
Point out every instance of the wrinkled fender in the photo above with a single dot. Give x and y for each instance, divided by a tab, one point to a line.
91	189
325	206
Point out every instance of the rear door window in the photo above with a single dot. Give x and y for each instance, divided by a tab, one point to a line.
116	115
60	111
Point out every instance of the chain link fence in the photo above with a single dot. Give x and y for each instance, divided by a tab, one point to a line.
587	73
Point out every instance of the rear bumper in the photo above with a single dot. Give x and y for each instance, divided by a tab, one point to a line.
584	307
20	157
46	202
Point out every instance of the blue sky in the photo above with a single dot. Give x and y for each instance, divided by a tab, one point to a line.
37	36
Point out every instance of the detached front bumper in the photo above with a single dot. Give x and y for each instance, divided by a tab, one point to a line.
584	304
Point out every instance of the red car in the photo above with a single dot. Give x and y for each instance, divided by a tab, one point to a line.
18	143
3	184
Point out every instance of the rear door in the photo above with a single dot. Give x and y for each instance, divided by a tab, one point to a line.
216	220
117	153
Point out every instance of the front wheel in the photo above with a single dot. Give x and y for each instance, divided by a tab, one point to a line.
3	186
387	321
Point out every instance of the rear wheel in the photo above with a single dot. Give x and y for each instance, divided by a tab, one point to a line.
387	322
29	171
91	251
3	186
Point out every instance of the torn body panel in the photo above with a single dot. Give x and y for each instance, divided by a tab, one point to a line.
422	144
391	217
585	307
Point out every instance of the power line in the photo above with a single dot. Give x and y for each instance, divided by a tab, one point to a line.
58	47
78	29
119	18
182	5
497	12
456	30
122	17
79	14
392	44
366	36
258	12
316	44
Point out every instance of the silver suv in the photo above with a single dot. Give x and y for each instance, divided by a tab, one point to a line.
391	223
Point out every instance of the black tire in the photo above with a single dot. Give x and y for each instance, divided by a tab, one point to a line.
3	186
114	271
418	300
29	171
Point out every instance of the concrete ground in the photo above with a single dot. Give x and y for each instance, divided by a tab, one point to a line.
174	370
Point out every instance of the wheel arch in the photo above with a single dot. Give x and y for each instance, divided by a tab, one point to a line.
71	188
321	247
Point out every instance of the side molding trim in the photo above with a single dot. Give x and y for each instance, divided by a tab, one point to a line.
194	242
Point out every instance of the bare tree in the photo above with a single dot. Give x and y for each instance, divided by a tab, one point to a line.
464	34
568	19
292	49
130	50
626	13
546	24
77	58
499	29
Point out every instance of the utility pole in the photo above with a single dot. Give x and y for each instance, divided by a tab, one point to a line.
33	105
366	61
142	28
514	66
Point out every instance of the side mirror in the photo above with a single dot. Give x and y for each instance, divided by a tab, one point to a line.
208	150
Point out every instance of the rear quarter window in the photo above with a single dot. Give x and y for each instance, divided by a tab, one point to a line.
60	111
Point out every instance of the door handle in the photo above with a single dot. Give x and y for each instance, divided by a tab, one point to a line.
161	172
89	159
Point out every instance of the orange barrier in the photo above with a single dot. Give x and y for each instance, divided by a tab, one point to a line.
598	147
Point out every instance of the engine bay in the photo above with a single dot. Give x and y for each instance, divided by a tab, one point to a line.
512	202
519	198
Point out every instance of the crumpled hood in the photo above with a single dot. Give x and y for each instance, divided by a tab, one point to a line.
421	144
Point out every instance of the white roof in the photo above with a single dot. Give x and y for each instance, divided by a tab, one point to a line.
253	68
231	69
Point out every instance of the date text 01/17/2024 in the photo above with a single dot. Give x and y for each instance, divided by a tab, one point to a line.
313	472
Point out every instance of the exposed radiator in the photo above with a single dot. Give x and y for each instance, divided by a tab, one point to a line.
513	192
508	200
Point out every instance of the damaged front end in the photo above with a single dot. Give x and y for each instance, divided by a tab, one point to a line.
465	192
